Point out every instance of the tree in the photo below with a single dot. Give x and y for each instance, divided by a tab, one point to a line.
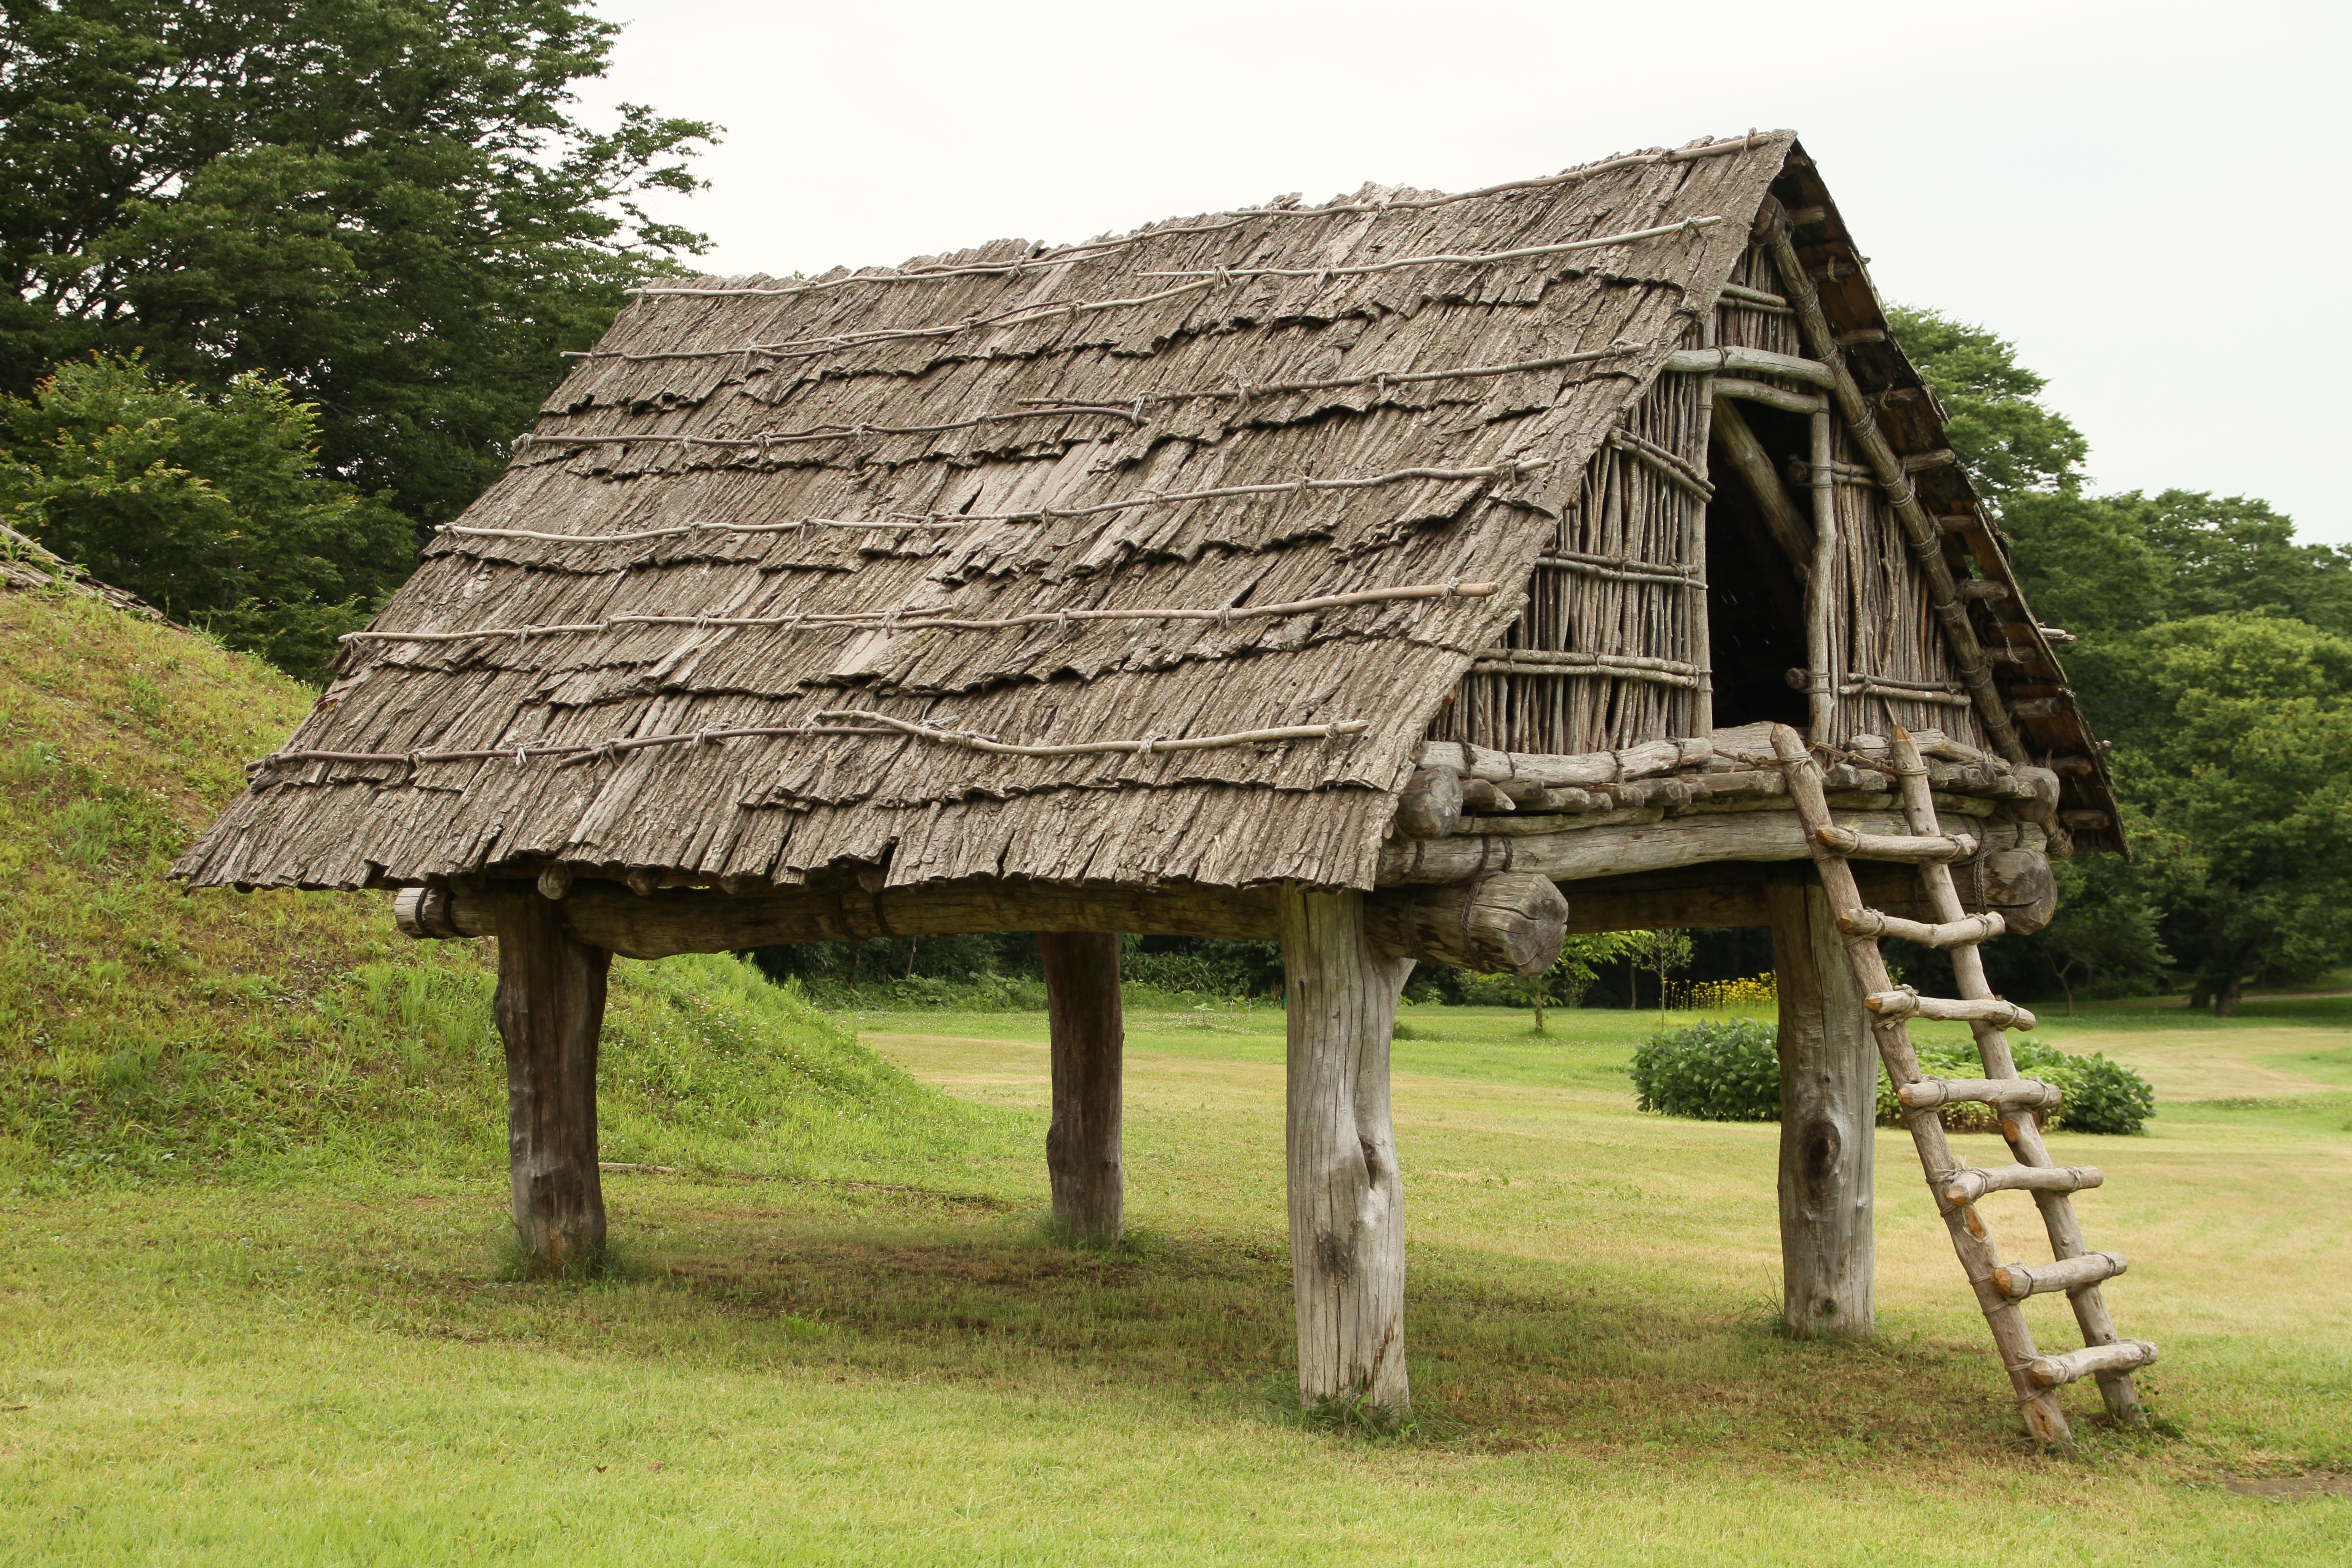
1573	972
2212	651
387	204
207	506
1994	414
2107	939
2250	769
1663	953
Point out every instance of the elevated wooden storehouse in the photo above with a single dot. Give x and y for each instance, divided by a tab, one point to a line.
1367	575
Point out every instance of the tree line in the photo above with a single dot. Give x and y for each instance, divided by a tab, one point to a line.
2215	654
286	277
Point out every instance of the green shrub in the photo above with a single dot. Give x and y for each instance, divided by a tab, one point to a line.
2100	1096
1729	1071
1716	1071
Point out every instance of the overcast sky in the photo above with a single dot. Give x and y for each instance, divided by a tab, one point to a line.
2147	197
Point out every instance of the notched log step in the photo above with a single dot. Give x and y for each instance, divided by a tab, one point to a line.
2001	1093
1922	850
1952	933
2018	1280
2124	1355
1909	1003
1966	1186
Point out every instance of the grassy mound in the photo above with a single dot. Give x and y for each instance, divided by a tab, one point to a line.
144	1031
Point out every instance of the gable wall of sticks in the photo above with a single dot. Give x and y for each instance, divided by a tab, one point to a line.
1624	581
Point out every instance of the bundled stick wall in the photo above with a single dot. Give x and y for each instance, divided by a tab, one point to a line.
1623	577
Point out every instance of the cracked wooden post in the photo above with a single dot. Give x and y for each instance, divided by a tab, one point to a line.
1082	1145
551	1012
1829	1106
1347	1202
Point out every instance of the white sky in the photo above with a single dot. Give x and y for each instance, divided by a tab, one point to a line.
2137	194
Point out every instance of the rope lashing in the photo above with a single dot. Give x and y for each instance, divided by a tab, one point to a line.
1047	407
1338	729
940	618
1202	278
1041	514
1225	223
1323	274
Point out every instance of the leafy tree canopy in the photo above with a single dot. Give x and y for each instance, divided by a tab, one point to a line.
2244	754
388	204
2215	651
1993	413
206	506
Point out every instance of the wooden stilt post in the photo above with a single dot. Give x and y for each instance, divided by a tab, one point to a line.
551	1011
1082	1146
1829	1105
1347	1202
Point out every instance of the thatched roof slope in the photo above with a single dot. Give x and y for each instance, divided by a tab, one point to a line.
1208	366
798	480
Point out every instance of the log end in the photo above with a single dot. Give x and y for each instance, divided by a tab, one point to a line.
1508	923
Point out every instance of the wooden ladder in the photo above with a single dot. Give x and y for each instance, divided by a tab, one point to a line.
1999	1286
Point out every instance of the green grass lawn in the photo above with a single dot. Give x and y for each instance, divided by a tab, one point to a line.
850	1340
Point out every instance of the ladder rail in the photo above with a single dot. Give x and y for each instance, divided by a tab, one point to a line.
2020	1128
2013	1337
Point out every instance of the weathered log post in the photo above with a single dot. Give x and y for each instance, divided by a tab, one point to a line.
1346	1201
1082	1145
551	1013
1829	1106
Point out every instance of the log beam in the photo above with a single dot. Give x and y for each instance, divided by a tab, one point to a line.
1082	1144
1568	849
1512	923
1753	465
550	1010
1503	926
2015	884
1347	1199
1829	1106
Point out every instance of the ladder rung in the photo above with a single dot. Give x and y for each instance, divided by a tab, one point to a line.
1967	1185
1895	846
2004	1093
1909	1003
2018	1280
2124	1355
1952	933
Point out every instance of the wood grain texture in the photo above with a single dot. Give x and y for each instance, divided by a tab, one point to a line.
1347	1196
2023	1132
1509	924
2046	1420
550	1010
1829	1109
1088	1040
